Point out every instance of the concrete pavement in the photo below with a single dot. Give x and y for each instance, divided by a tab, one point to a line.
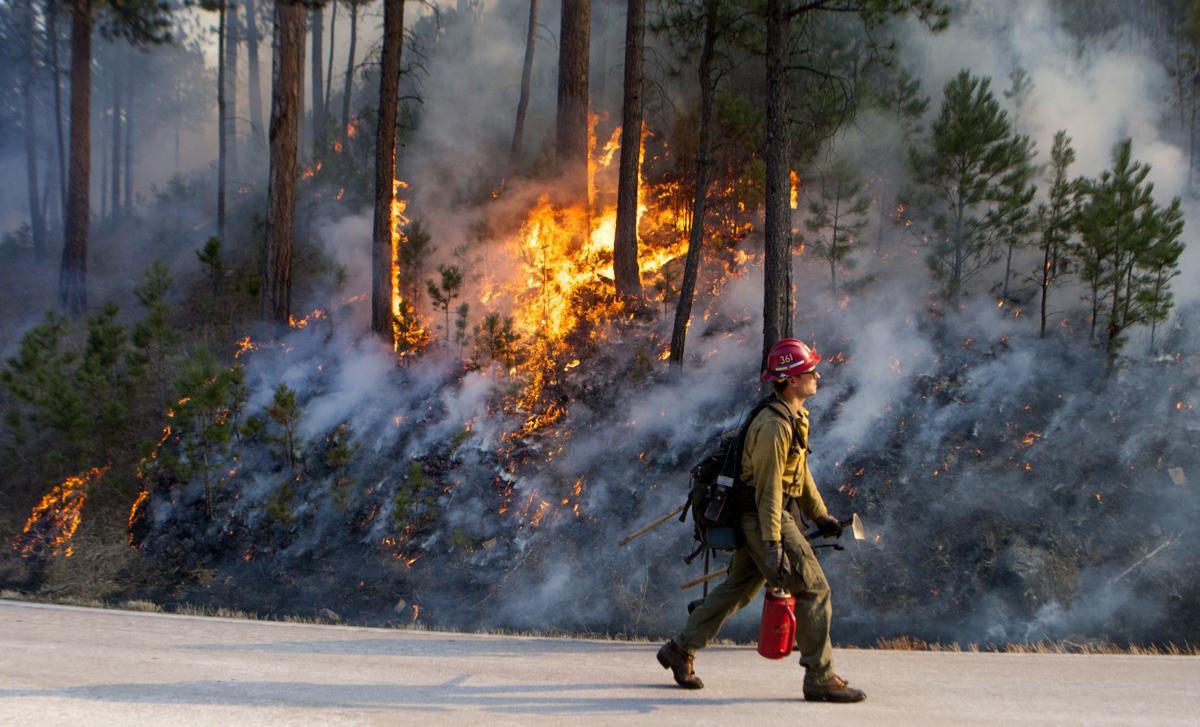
78	666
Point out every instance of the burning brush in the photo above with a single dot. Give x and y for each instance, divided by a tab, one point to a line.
54	520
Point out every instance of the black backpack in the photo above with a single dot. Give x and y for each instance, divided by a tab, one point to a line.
718	495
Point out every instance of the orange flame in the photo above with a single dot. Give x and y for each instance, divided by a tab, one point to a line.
245	345
54	520
407	328
299	324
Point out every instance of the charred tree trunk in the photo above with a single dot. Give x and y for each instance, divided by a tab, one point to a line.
114	195
514	155
385	167
318	95
72	283
222	119
348	86
288	66
329	64
37	218
626	274
254	88
691	265
233	35
572	125
777	259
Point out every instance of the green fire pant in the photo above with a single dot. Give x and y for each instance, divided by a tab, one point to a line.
747	573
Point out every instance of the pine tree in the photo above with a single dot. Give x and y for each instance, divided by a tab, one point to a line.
105	381
1012	220
445	291
142	23
154	339
959	174
1129	246
203	418
1055	218
286	414
837	215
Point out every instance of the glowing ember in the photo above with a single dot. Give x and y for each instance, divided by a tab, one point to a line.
54	520
245	345
794	199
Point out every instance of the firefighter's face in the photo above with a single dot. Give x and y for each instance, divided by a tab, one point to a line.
806	383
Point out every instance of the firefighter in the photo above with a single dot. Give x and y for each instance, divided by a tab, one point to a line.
773	548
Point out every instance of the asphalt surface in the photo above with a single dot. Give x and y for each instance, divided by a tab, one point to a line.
78	666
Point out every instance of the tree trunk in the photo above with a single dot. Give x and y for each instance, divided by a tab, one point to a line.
329	64
833	247
37	219
382	252
1045	287
102	180
625	244
514	155
233	35
318	96
691	265
598	75
255	89
114	196
222	120
777	258
348	86
288	67
572	124
129	107
178	125
72	283
1007	269
52	31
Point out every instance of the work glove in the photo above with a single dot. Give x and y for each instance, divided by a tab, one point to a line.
777	560
828	526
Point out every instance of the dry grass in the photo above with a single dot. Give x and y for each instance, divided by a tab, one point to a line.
908	643
898	643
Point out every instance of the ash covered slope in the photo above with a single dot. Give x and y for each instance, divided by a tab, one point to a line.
1014	492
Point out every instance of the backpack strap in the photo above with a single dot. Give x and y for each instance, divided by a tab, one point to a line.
733	458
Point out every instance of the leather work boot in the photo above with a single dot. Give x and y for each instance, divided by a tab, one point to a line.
680	663
832	688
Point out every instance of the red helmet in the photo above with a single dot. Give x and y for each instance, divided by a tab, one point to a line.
790	357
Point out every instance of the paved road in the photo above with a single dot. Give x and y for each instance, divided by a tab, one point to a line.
62	665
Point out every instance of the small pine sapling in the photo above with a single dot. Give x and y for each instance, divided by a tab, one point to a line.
342	448
442	293
460	326
285	413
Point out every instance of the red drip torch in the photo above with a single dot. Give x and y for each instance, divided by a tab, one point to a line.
778	630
